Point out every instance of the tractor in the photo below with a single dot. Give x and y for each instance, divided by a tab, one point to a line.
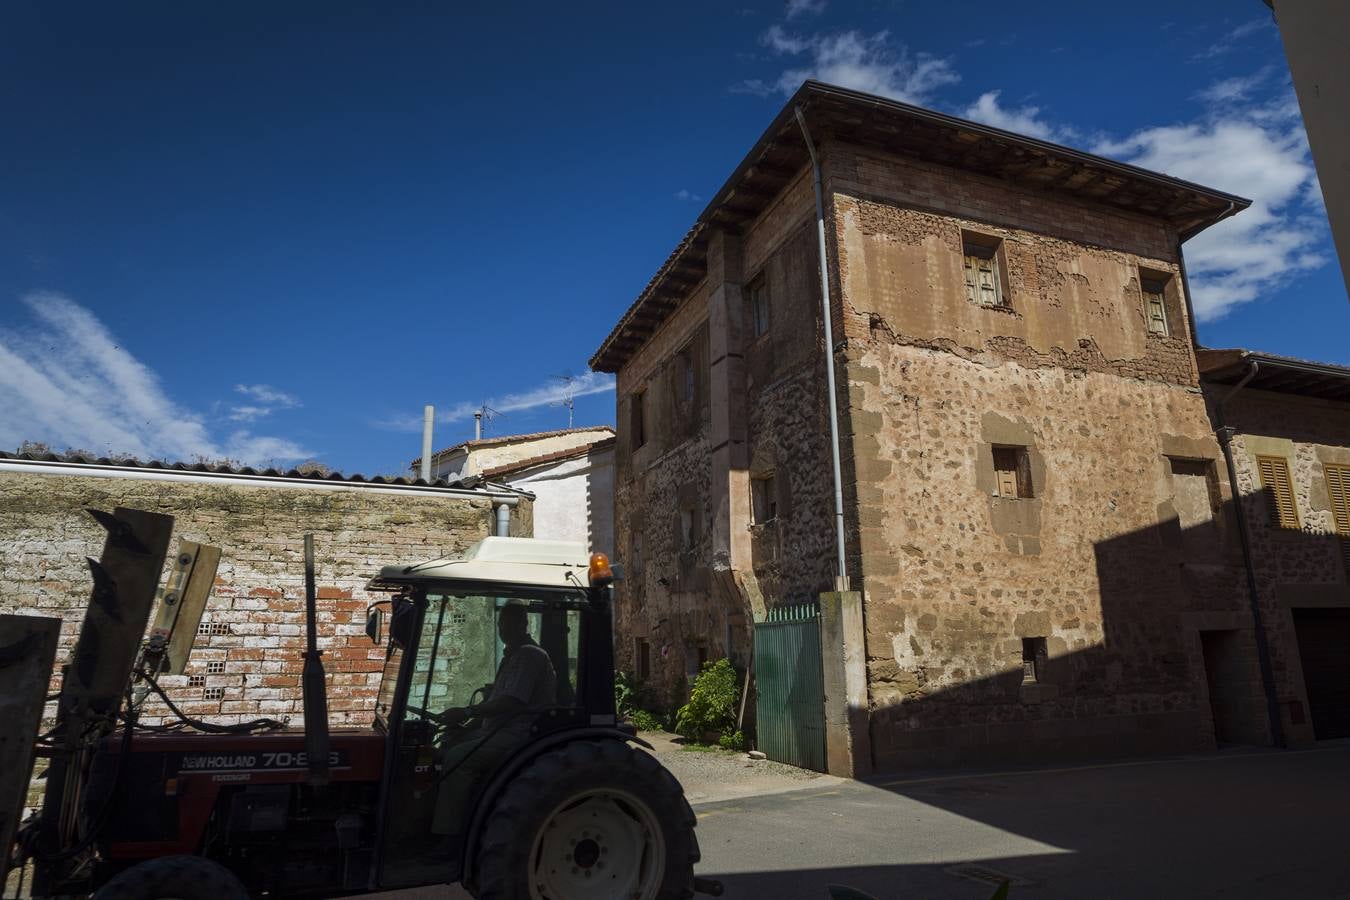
533	793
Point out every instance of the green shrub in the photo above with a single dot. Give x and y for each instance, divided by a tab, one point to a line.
712	702
734	741
628	704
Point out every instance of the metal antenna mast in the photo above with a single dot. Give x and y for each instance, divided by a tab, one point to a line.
568	393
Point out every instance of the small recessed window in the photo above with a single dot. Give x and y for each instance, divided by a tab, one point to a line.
1012	472
764	498
1034	655
759	306
642	658
685	374
638	420
1155	306
688	528
984	280
637	554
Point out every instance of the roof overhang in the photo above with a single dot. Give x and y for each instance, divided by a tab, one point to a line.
1281	374
866	120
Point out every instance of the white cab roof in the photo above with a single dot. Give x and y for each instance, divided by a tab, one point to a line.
508	560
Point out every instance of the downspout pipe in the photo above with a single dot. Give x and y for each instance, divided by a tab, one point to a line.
1224	433
841	582
503	520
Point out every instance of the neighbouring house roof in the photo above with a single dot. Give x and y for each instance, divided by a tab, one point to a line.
866	120
133	468
1284	374
510	439
556	456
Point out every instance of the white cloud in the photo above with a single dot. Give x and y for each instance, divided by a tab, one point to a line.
267	394
797	8
1022	120
864	62
1259	152
551	392
1230	90
266	399
686	194
1232	38
64	381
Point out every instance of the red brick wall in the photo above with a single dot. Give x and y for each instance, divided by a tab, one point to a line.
258	598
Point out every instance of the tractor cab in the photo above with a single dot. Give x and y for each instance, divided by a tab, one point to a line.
450	628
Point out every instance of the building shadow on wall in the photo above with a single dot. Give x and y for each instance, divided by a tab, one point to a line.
1172	671
1173	666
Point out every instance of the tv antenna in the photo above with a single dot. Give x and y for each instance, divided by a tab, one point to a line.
568	393
484	416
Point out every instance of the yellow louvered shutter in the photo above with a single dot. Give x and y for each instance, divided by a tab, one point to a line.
1338	487
1279	490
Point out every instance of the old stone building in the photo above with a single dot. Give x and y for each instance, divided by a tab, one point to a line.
247	658
1018	399
1290	422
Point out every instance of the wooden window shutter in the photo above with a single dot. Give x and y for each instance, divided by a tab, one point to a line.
1005	472
972	279
1338	487
1279	490
1157	313
988	282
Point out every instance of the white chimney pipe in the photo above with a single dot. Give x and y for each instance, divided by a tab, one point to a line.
428	420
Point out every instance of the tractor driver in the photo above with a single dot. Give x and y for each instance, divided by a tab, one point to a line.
525	683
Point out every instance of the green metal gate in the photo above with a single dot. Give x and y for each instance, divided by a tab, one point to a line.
790	693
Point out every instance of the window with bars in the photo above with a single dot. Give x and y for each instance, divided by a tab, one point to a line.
1338	487
984	283
759	306
1155	306
1012	472
1279	491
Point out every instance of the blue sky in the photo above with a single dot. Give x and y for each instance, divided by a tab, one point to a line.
274	231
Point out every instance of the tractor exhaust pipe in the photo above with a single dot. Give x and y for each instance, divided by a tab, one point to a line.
313	682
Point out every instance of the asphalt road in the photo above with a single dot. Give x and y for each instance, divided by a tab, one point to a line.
1233	824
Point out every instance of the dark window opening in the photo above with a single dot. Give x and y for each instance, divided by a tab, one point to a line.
1012	472
638	420
1034	655
764	499
642	659
685	371
759	307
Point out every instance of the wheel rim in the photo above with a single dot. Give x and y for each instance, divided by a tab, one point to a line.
598	845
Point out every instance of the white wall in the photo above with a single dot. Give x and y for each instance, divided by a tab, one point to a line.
574	499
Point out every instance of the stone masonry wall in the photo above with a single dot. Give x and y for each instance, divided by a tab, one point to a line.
256	609
1302	568
955	577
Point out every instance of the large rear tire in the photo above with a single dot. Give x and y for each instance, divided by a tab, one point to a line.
174	878
593	820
